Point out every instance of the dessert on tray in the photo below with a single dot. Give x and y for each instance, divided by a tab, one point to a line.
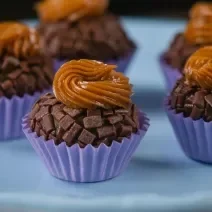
189	106
83	29
24	75
197	33
89	128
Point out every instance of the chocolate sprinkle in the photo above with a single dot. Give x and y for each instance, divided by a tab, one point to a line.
192	101
51	119
19	77
85	38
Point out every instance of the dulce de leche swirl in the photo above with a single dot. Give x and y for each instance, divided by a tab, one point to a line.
18	39
198	69
90	84
201	9
199	28
55	10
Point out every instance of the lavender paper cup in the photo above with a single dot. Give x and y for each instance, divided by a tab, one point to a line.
89	164
171	75
122	63
194	137
11	114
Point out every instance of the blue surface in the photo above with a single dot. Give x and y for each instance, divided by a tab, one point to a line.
159	177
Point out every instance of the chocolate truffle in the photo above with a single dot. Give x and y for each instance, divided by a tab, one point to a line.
23	70
197	34
192	94
92	105
98	36
53	120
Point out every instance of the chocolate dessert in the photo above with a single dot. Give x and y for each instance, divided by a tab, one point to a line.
23	69
192	94
83	110
81	29
53	120
198	33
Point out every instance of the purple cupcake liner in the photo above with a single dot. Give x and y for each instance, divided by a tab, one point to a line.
194	137
171	75
89	164
122	63
11	114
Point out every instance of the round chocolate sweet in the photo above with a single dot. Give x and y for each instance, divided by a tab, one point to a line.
192	94
23	70
197	33
85	38
24	76
53	120
91	105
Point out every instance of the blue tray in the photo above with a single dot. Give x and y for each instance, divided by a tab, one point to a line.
159	177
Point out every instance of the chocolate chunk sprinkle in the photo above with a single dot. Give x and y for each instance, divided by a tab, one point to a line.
208	99
71	134
86	137
66	122
72	112
125	130
115	118
106	131
48	123
84	38
17	76
191	100
92	122
63	124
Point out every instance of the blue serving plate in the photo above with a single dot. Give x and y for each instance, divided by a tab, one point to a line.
159	177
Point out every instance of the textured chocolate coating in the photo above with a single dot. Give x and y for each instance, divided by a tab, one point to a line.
192	101
19	77
53	120
99	38
179	51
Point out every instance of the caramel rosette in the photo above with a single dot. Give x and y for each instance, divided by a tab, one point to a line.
18	40
198	69
201	9
198	31
55	10
90	84
199	28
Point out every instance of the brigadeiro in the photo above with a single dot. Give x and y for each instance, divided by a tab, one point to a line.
24	76
88	130
197	34
83	29
189	106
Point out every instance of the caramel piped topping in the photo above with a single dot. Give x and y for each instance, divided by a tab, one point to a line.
198	69
199	28
55	10
18	40
201	9
90	84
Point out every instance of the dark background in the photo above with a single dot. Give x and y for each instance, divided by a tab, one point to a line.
23	9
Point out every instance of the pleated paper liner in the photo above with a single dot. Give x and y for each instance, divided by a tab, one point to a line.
89	164
194	137
122	63
171	75
11	114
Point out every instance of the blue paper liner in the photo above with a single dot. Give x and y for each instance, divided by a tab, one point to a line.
122	63
194	136
11	114
89	164
171	75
